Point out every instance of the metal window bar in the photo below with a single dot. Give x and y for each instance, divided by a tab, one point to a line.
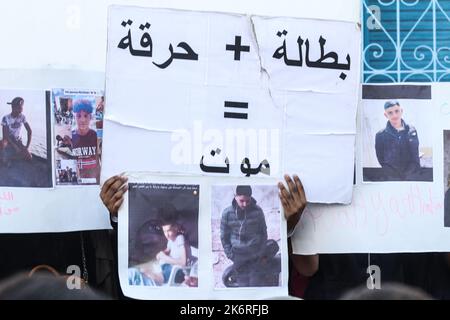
407	41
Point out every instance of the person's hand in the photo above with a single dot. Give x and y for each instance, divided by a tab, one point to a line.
293	200
112	193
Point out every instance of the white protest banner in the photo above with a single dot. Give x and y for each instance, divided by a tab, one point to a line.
232	95
179	238
401	182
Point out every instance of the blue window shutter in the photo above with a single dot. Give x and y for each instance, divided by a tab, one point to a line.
406	41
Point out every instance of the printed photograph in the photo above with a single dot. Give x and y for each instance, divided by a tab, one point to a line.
66	172
246	236
25	160
397	140
163	235
78	118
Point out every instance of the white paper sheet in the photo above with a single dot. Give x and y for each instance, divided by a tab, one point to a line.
219	74
404	216
207	288
300	42
318	161
58	209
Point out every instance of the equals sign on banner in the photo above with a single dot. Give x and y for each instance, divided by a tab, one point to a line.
237	105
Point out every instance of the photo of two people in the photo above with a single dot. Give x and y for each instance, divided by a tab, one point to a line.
164	235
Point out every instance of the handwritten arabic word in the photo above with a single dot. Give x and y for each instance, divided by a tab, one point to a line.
146	43
8	210
379	209
246	168
325	61
281	52
7	196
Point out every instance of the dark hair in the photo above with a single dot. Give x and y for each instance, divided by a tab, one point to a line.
44	287
149	241
244	190
16	102
388	291
167	214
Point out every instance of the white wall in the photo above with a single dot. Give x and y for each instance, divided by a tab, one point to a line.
71	34
62	43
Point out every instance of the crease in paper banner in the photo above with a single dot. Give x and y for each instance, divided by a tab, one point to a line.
268	68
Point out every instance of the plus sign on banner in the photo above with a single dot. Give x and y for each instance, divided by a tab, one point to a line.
237	48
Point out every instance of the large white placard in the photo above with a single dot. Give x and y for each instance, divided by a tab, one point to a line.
158	208
236	95
390	213
30	200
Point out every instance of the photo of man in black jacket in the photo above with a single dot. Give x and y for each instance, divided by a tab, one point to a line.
243	234
397	145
